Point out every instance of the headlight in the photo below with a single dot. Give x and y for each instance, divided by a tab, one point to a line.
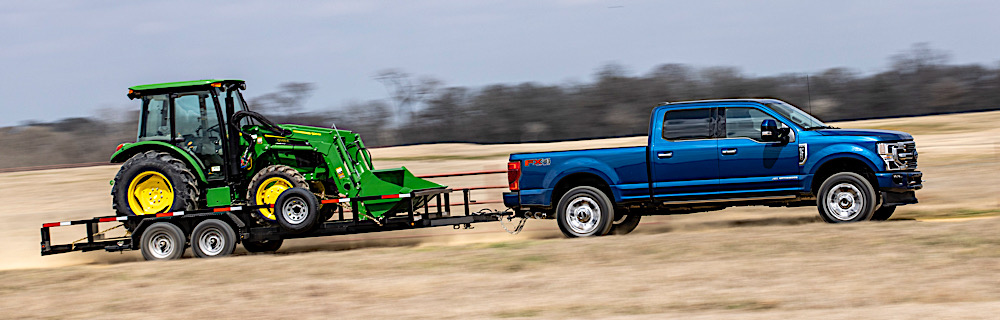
898	155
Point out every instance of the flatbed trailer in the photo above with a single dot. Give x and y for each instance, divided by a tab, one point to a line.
427	208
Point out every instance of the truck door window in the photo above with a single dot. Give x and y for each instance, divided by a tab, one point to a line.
745	122
688	124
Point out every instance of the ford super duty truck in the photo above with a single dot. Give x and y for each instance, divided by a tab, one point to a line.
712	154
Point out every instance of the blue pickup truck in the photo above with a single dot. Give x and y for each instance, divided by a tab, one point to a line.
712	154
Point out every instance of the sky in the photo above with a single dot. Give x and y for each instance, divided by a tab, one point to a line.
64	59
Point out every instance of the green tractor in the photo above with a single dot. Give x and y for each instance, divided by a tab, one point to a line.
199	146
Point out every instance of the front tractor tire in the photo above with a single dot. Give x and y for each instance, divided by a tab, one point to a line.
846	197
269	183
585	212
153	182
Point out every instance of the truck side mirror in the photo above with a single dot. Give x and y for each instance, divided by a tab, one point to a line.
769	130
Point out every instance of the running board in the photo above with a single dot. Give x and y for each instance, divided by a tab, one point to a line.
730	200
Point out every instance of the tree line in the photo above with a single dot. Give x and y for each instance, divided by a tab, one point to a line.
422	109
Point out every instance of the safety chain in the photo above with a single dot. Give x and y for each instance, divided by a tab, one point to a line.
510	217
100	233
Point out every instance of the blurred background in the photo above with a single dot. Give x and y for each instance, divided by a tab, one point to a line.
482	71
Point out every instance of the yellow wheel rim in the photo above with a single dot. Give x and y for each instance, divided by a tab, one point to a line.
150	193
268	193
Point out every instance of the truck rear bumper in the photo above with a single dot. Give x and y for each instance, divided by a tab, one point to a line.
510	199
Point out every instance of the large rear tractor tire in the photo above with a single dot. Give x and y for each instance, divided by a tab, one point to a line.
625	225
269	183
162	241
846	197
262	246
154	182
213	238
585	212
297	210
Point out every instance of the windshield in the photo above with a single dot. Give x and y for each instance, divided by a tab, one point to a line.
797	116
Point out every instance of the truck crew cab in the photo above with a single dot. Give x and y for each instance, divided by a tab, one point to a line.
712	154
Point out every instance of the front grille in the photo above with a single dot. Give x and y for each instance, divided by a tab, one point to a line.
906	154
903	155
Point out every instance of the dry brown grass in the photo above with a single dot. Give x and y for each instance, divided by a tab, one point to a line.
752	262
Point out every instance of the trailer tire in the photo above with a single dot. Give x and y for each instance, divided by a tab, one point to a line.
153	171
883	213
213	238
846	197
262	246
584	212
625	225
297	210
162	241
269	183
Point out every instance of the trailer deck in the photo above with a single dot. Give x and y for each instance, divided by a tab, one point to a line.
241	219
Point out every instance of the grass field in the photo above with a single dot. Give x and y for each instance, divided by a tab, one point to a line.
939	258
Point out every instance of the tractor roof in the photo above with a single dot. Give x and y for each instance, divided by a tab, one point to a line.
134	91
180	84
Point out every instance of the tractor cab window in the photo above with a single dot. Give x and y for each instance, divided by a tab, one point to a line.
197	129
155	123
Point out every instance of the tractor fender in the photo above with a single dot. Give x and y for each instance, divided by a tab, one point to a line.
130	149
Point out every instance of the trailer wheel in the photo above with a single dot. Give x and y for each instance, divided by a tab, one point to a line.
297	210
262	246
162	241
625	225
585	212
846	197
883	213
212	238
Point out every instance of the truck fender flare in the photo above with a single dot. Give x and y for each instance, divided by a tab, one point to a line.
588	166
131	149
820	158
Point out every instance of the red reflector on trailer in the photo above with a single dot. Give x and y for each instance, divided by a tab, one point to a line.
390	196
108	219
221	209
51	224
165	214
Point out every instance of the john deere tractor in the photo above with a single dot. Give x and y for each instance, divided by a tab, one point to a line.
199	146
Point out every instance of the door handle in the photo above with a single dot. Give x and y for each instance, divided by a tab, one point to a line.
666	154
729	151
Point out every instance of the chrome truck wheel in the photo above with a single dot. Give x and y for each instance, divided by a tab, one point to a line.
846	197
584	212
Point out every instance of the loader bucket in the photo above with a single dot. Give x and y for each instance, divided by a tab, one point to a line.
389	182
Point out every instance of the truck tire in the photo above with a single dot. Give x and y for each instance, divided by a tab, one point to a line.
625	225
584	212
297	210
153	182
846	197
162	241
269	183
213	238
262	246
883	213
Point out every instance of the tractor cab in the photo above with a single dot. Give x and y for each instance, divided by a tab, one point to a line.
192	116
